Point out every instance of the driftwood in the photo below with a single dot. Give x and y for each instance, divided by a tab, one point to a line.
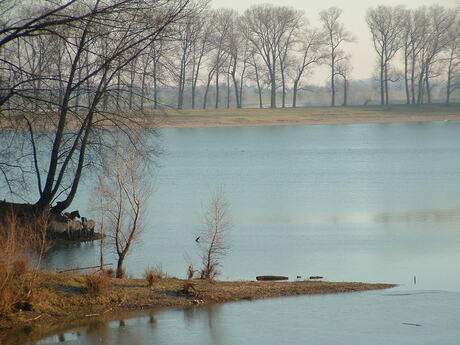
316	277
82	268
272	278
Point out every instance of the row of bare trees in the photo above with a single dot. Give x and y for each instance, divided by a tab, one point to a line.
266	46
426	39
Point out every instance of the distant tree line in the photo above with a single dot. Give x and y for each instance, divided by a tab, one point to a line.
221	53
426	39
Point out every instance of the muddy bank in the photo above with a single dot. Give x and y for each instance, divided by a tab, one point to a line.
63	299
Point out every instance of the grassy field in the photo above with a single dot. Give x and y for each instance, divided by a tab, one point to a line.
301	116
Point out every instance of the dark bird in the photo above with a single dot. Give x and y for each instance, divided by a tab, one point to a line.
197	240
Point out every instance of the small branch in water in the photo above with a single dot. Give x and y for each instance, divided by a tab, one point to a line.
411	324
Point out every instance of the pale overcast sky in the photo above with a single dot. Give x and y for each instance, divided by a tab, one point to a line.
363	56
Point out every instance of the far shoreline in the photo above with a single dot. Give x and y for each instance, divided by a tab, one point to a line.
266	117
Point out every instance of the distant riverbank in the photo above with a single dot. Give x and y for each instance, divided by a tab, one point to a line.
190	118
246	117
62	299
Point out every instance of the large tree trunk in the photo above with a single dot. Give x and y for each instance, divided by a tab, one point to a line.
119	274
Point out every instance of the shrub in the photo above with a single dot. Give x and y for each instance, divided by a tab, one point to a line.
97	284
108	272
153	274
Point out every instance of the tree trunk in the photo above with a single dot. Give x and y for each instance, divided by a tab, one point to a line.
228	90
283	82
237	93
119	273
412	78
333	82
406	77
155	86
382	85
345	92
273	92
217	90
259	88
294	95
205	97
449	79
427	83
387	98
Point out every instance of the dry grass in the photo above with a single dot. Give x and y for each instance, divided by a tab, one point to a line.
154	274
59	298
18	284
189	118
97	284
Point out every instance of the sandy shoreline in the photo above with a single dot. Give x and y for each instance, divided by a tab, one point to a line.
195	118
250	117
61	301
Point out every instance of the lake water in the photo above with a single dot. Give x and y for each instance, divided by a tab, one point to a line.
367	202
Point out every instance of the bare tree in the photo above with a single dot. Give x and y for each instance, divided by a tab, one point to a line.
385	23
124	189
104	37
439	22
344	69
453	59
310	52
336	35
269	29
212	240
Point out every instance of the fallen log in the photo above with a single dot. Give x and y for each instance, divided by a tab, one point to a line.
316	277
265	278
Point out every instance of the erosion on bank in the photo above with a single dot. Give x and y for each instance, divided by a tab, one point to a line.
63	298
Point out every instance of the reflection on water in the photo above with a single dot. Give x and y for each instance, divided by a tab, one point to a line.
377	203
397	316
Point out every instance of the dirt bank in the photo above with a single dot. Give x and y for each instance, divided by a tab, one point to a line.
63	299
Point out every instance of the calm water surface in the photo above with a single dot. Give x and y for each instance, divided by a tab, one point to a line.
373	202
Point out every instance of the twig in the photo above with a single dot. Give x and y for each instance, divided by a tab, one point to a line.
35	318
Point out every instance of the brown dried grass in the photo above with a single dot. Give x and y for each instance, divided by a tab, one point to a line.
97	284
